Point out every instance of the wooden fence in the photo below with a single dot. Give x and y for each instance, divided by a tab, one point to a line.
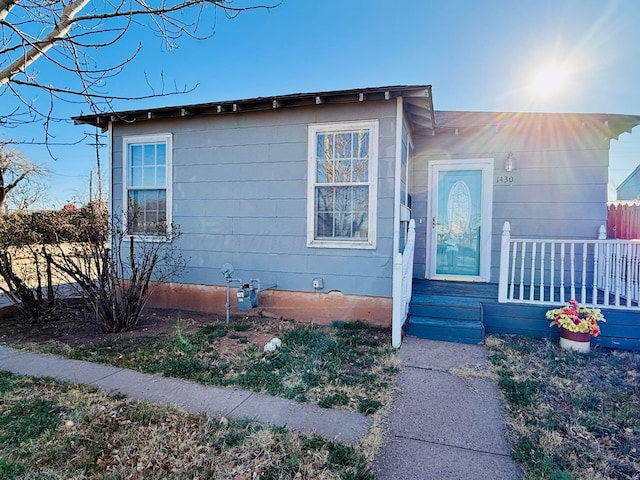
623	221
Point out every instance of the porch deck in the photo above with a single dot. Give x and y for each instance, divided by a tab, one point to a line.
447	299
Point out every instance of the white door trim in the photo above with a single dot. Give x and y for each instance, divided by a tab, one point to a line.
486	166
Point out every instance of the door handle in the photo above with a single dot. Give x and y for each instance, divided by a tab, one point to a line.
433	222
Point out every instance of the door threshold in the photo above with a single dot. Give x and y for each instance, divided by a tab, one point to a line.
458	278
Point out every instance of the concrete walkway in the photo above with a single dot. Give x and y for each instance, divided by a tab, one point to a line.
446	423
338	425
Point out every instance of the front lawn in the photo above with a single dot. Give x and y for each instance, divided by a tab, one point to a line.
50	430
345	365
571	415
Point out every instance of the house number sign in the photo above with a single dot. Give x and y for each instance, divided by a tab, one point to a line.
504	179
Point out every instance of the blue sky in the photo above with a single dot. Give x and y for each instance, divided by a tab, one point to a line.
477	55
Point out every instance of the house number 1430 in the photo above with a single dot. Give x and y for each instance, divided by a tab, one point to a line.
504	179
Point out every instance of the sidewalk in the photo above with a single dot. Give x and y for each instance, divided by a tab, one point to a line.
339	425
445	423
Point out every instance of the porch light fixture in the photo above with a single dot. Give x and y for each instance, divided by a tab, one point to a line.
508	162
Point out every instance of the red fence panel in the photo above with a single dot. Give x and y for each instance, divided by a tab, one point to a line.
623	220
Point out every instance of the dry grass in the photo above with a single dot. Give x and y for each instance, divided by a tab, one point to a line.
346	365
572	416
53	430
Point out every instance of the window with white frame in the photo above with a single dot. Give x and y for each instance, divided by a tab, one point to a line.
343	164
146	184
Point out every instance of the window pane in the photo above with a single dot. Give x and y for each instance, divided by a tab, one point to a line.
343	199
324	199
149	156
343	145
161	176
324	156
146	211
135	155
135	177
322	175
361	166
363	144
161	154
324	225
320	146
324	212
360	219
343	225
148	176
147	165
343	171
360	225
342	212
360	199
361	170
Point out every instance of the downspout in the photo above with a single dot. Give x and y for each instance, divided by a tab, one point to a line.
396	293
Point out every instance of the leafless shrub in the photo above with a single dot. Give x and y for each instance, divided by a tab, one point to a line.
27	274
116	272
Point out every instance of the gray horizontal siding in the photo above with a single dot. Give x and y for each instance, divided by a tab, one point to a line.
558	188
240	196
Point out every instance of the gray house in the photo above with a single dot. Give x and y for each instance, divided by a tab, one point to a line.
336	200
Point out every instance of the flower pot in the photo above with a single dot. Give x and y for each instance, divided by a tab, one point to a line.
580	342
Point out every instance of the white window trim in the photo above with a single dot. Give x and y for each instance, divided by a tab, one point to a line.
313	130
137	139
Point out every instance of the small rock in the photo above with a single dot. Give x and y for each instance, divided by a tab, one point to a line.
272	345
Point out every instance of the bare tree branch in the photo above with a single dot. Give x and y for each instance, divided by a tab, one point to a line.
15	169
70	35
37	49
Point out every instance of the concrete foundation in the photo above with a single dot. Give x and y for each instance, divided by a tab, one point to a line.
319	308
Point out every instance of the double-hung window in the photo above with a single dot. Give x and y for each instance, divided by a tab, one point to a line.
343	164
147	180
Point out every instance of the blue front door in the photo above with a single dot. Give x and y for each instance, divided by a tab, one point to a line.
460	220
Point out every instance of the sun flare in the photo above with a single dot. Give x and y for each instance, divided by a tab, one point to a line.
549	81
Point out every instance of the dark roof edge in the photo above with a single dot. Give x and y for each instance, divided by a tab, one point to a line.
259	103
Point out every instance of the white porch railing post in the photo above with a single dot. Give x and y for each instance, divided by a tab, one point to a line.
397	310
598	272
504	263
407	266
402	285
602	233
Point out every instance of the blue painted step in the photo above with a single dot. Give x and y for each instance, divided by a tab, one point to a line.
446	318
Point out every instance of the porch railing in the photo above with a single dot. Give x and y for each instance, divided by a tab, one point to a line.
601	273
402	284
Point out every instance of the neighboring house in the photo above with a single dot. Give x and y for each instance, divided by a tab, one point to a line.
629	189
312	193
